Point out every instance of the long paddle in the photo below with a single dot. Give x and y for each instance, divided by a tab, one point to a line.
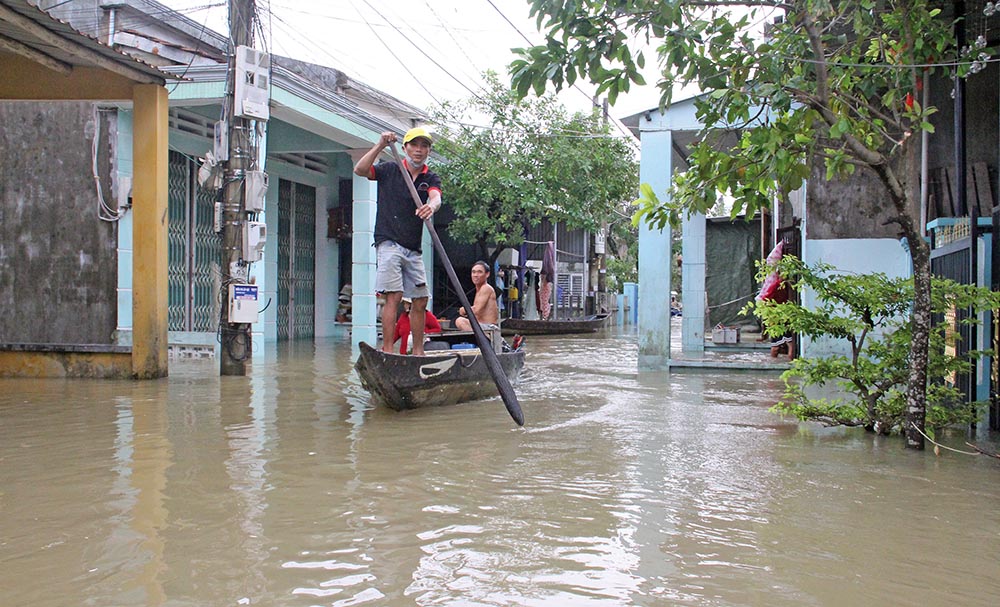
489	356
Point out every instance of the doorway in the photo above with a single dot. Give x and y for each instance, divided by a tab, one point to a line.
296	260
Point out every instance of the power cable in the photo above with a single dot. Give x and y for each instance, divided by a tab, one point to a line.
398	60
627	134
289	29
204	27
82	19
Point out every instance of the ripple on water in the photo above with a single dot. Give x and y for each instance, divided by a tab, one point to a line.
288	488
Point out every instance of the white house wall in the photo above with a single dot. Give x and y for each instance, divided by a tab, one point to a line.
850	255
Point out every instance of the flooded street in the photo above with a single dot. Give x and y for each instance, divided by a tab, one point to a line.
287	488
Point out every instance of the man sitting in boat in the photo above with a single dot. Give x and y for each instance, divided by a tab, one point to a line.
485	304
399	227
431	325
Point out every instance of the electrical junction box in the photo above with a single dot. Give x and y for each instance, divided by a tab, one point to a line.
220	141
600	238
254	239
509	257
243	303
255	191
217	217
253	78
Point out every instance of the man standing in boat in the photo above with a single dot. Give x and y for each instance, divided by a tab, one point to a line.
399	229
484	306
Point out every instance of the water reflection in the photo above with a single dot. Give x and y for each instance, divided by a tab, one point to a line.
289	488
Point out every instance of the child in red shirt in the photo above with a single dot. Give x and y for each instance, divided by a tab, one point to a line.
431	325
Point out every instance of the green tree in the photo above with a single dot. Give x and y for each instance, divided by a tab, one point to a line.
868	311
832	82
532	161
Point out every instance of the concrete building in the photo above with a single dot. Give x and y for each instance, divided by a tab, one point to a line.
844	223
57	258
319	216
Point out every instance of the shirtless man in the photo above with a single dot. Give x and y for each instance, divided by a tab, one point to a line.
485	305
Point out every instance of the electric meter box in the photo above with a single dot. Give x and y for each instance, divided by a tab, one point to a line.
243	303
255	191
252	93
254	239
220	141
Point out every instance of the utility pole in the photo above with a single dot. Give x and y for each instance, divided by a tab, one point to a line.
236	344
599	261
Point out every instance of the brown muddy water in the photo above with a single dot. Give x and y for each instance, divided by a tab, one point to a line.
287	488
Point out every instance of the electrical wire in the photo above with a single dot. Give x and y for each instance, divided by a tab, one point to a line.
197	47
628	136
83	20
454	119
105	212
424	53
451	34
396	57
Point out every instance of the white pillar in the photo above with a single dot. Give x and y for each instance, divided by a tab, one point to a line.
363	306
693	279
655	257
427	254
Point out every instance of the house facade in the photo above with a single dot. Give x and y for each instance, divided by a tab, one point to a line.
844	223
319	217
57	212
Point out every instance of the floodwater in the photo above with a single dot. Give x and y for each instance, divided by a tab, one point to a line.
287	488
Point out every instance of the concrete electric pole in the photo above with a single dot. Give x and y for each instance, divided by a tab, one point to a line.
235	337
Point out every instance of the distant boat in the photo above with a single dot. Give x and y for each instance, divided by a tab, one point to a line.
440	377
520	326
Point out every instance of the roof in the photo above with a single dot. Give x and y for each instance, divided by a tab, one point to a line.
635	122
28	31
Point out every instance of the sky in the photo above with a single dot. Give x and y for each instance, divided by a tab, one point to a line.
421	51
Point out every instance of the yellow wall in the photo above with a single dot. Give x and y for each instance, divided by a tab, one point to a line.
98	365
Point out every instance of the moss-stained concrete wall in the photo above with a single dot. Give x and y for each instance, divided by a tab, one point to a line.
857	207
58	261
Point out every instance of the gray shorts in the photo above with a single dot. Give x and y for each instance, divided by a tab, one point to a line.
400	269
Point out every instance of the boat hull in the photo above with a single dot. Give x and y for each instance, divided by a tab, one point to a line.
446	378
519	326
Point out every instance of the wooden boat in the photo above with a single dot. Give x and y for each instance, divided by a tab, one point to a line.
440	377
520	326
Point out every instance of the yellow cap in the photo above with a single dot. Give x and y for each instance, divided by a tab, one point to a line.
415	133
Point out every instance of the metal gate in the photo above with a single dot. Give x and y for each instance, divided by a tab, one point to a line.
994	329
570	294
194	251
953	260
296	260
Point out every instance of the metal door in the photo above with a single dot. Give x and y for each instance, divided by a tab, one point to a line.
296	260
194	250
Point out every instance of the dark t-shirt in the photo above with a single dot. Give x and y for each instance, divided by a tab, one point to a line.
395	218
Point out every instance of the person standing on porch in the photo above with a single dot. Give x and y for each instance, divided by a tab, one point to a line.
547	277
399	229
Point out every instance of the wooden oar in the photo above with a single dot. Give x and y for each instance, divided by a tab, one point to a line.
489	356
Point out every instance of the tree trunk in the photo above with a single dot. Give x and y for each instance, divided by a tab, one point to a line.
920	317
916	385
